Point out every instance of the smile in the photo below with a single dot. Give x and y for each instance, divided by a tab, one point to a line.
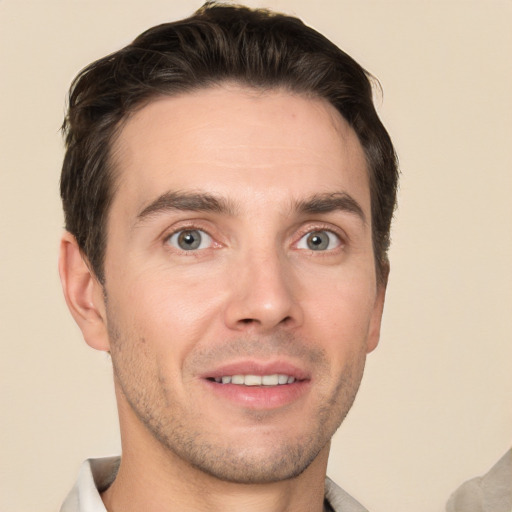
259	385
256	380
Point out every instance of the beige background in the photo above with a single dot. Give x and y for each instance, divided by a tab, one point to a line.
435	405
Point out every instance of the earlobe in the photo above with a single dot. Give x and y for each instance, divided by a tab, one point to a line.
83	293
376	320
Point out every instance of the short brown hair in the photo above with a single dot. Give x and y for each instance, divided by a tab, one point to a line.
218	43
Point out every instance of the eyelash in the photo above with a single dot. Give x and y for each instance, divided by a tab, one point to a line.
178	233
341	236
192	226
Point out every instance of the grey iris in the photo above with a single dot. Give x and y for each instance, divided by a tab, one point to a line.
318	241
189	240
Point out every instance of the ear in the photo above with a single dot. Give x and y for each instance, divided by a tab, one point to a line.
378	308
83	293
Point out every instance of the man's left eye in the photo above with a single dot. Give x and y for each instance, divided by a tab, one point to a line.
319	241
190	240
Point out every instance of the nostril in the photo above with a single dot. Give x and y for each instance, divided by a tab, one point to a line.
249	321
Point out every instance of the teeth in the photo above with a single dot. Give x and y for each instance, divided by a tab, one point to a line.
256	380
282	379
251	380
270	380
237	379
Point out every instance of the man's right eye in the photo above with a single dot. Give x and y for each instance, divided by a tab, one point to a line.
190	240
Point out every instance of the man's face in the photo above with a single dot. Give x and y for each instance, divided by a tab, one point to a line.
240	282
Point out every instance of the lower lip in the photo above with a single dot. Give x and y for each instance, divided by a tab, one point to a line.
260	397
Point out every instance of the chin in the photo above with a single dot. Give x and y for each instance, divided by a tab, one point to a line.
247	467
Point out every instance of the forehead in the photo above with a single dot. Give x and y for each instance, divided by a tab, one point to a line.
237	141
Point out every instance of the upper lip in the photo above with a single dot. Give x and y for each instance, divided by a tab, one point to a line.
254	367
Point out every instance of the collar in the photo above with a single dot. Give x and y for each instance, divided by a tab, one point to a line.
96	475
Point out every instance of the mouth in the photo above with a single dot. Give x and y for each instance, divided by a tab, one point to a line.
259	385
276	379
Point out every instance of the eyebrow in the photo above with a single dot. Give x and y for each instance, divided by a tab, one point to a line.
186	201
205	202
330	202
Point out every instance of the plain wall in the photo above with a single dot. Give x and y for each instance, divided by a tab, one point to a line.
434	408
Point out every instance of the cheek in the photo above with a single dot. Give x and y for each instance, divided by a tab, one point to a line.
340	314
171	311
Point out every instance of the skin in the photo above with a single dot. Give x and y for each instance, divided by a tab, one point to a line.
256	295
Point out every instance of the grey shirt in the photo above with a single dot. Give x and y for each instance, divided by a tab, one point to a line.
491	492
96	475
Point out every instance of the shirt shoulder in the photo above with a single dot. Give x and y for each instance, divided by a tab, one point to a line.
94	477
339	500
489	493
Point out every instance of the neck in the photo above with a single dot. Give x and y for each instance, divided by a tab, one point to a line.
153	479
154	491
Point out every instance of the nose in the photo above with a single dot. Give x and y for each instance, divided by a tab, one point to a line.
264	294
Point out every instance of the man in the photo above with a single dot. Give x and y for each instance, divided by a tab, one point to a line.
228	191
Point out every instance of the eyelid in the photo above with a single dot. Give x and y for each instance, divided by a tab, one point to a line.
311	227
188	225
303	240
205	239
